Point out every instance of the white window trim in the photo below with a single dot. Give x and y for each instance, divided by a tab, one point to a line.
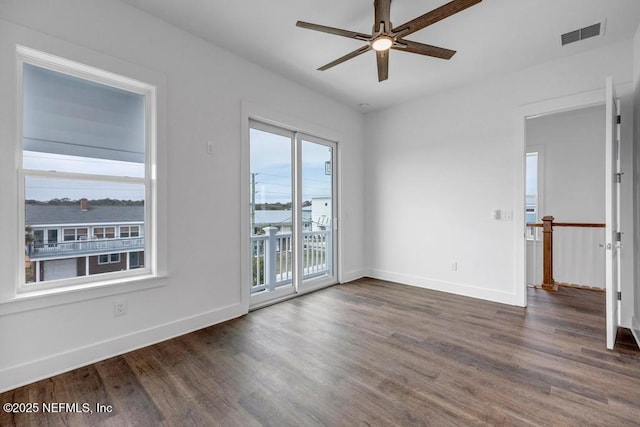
76	69
539	149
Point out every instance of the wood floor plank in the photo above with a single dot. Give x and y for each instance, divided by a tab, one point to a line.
368	353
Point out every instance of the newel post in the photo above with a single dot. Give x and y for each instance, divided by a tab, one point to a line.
547	258
270	257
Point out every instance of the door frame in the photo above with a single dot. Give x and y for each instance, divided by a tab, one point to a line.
251	111
558	105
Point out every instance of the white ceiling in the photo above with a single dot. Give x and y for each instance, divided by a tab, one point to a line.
492	37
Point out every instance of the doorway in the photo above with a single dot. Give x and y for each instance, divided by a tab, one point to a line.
565	173
293	229
610	244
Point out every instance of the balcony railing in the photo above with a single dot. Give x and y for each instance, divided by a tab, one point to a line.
272	265
84	247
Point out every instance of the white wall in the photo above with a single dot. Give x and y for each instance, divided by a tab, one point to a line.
573	175
205	87
437	167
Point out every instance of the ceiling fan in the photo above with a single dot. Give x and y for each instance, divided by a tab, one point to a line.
385	37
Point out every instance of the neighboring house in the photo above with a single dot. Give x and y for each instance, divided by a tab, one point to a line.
280	219
82	240
321	212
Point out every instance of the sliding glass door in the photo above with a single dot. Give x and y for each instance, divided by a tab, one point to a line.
292	213
317	190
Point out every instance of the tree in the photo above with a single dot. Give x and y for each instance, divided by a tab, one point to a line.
28	235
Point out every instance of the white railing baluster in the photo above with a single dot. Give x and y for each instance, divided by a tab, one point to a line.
273	251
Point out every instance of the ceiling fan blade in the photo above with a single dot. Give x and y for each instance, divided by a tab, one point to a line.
382	14
424	49
336	31
383	64
348	56
434	16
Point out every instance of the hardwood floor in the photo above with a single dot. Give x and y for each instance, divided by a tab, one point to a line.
368	353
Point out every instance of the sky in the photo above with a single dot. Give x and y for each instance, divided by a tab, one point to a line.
271	162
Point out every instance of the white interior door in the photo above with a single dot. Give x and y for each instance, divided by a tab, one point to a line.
611	212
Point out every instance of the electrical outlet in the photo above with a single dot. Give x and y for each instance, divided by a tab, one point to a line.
454	266
210	147
119	308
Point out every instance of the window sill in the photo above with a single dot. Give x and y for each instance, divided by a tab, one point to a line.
45	298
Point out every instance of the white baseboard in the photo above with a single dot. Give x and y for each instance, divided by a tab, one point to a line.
352	275
635	329
17	376
450	287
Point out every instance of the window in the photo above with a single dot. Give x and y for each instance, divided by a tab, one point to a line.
134	260
44	237
38	236
109	259
104	232
531	197
72	234
52	236
129	231
87	143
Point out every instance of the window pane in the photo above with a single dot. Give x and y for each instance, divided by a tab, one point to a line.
531	207
70	204
133	260
52	236
69	233
317	209
271	207
532	173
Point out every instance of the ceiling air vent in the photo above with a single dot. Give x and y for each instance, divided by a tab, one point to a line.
581	34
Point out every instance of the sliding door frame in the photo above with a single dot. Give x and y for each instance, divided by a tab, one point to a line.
309	131
320	282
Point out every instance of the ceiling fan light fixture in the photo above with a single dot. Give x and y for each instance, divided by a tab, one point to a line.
385	36
382	43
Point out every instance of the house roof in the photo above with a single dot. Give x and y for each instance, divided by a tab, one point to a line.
48	214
